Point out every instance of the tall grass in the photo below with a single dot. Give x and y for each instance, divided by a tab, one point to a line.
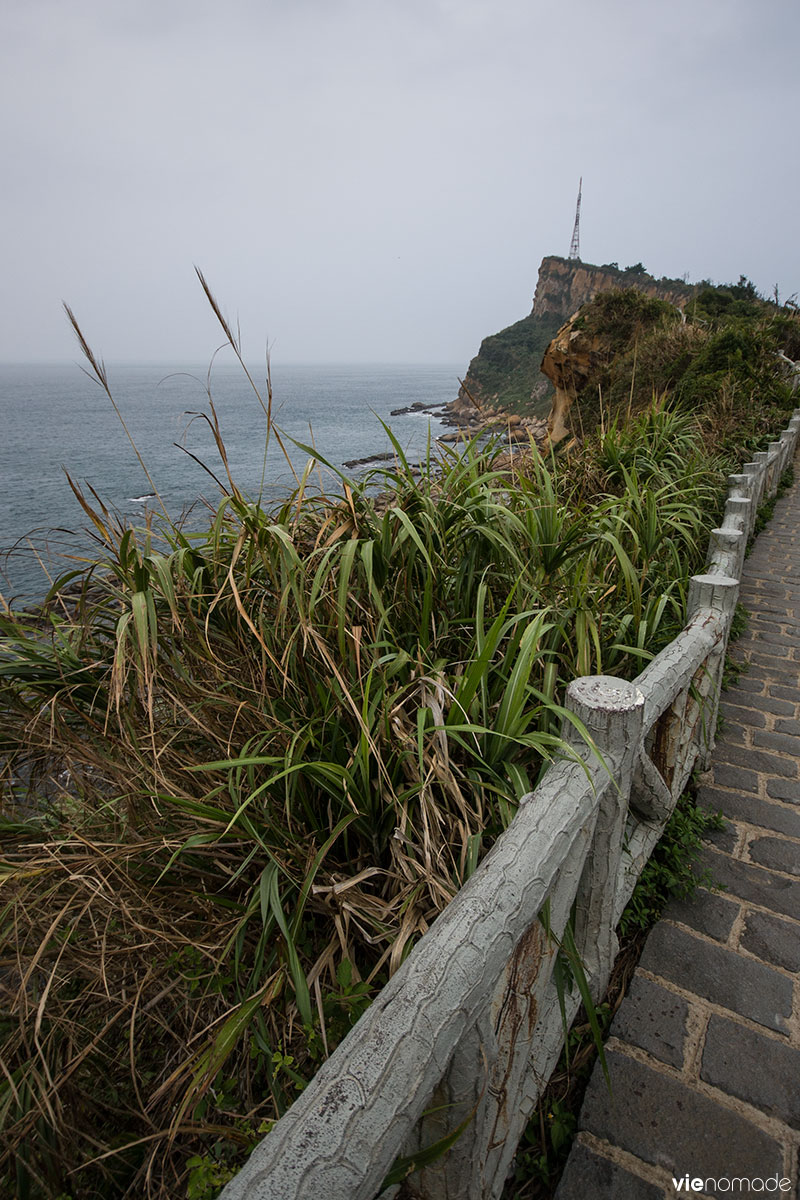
245	768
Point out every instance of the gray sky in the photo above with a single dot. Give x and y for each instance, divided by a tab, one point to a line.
377	180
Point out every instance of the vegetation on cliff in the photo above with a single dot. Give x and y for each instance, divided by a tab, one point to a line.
720	359
506	372
244	768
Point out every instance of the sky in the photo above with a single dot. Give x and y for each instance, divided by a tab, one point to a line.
376	180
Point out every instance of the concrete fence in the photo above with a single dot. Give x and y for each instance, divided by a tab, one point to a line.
467	1032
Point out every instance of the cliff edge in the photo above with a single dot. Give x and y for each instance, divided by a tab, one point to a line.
506	372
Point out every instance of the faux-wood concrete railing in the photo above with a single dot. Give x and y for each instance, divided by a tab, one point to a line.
469	1028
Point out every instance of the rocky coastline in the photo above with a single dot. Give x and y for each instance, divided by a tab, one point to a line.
469	419
465	420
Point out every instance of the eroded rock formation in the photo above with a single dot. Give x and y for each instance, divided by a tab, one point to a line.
505	374
570	361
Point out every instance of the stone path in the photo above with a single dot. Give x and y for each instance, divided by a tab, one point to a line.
704	1053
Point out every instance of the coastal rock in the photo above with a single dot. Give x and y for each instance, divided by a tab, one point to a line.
387	456
569	362
506	372
417	407
578	358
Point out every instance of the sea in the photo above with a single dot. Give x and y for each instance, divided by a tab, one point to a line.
56	419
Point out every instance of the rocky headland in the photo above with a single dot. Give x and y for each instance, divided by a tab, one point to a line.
516	383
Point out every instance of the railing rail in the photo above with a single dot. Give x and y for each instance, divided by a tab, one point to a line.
468	1030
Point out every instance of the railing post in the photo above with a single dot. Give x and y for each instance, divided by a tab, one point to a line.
787	442
726	550
761	459
739	514
750	469
715	595
740	486
611	710
774	469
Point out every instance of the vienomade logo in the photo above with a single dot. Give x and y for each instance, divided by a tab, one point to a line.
740	1185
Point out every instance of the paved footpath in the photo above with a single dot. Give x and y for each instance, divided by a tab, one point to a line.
704	1053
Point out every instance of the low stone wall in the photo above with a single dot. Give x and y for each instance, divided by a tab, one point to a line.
465	1035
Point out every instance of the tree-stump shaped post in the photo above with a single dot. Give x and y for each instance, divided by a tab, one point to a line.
716	596
611	711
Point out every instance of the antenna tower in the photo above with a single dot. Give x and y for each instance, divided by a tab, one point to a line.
575	245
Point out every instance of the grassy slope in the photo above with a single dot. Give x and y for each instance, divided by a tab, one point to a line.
505	370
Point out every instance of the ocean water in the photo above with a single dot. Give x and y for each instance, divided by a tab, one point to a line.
54	418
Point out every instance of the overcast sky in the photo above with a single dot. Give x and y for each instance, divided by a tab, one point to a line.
377	180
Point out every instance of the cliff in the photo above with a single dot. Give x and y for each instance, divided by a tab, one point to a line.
565	284
505	374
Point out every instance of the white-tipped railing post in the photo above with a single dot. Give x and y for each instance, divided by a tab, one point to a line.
611	710
787	440
715	596
761	459
740	486
739	515
752	471
726	550
774	469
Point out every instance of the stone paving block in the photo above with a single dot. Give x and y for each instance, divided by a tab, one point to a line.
722	976
772	657
750	717
654	1019
778	708
735	777
733	732
706	912
754	760
666	1123
787	725
781	692
777	854
750	809
746	684
590	1175
784	743
770	624
759	1070
767	637
772	587
767	605
786	676
786	624
772	939
756	884
784	789
724	838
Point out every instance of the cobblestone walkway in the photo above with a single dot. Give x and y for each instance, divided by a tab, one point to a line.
704	1053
